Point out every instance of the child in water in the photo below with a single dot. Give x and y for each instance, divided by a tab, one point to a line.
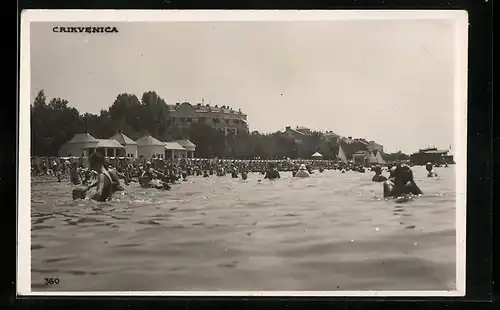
431	173
401	183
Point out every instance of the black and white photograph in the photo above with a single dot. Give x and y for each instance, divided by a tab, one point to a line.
231	153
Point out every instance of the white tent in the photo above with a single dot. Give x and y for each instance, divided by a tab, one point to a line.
341	155
372	159
317	155
380	160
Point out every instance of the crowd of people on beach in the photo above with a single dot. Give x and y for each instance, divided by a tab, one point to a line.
107	176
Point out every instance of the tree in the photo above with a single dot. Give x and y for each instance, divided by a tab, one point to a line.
55	123
155	113
125	113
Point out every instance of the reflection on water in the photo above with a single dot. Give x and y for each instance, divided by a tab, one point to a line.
331	231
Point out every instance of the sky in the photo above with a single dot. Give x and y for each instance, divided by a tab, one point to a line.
388	81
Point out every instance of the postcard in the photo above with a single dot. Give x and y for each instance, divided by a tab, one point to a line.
242	153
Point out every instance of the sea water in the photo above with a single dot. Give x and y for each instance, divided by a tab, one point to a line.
332	231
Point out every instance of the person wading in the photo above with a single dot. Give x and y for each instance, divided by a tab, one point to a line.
104	182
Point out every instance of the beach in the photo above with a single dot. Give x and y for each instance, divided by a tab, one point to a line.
332	231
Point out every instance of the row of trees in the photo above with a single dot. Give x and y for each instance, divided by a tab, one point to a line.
53	123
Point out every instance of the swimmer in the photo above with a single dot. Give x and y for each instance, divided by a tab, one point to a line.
74	174
321	169
302	173
162	185
81	192
431	173
309	169
244	175
401	183
104	182
378	177
150	173
115	177
392	170
271	173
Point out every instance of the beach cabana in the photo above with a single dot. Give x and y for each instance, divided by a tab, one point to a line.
317	155
361	157
129	144
148	146
110	148
189	146
82	144
174	150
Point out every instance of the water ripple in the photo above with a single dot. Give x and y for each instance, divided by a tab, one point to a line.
332	231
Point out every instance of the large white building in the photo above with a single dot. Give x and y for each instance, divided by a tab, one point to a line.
222	118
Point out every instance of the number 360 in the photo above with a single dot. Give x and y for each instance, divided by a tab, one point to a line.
51	281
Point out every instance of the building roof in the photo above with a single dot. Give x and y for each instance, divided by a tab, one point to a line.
317	154
330	133
109	143
174	146
82	138
188	145
347	140
364	153
295	131
302	128
204	108
123	139
362	141
149	140
431	152
437	151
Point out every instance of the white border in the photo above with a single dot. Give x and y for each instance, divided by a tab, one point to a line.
460	126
